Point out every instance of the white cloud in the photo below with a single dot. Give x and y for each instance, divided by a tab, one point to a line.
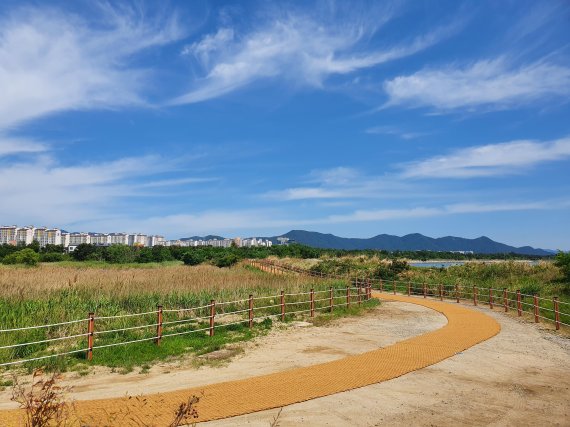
490	160
52	61
294	48
489	84
11	146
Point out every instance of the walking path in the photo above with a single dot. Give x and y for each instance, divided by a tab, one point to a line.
464	329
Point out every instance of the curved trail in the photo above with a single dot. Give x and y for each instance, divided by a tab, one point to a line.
464	329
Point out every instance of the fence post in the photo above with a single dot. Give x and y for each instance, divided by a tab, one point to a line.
491	298
394	287
312	302
536	309
409	288
457	293
212	316
359	294
282	306
381	285
441	292
556	313
90	331
475	290
519	304
250	310
347	296
505	300
425	290
158	324
331	300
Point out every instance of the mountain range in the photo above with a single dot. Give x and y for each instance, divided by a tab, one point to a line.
409	242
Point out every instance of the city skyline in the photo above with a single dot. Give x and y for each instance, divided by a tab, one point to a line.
192	118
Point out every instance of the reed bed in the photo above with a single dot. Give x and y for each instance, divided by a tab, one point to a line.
59	293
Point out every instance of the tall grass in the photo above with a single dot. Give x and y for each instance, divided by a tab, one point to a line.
58	293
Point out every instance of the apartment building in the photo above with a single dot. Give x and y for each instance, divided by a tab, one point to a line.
25	235
155	241
137	239
8	234
119	239
79	238
47	236
100	239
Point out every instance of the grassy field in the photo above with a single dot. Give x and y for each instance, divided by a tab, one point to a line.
53	293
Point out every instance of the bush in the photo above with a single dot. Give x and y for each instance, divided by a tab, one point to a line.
53	257
119	254
193	258
25	256
226	260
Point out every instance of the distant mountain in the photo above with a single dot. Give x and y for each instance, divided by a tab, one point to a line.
409	242
208	237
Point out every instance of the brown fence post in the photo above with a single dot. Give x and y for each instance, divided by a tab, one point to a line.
519	303
158	324
312	302
556	313
457	293
409	288
536	309
394	287
348	296
425	290
250	310
505	300
441	292
282	306
491	298
359	294
212	316
90	332
475	290
381	285
331	299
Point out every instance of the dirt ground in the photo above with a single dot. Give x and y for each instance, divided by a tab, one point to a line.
521	376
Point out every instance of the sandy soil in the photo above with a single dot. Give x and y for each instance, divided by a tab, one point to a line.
300	344
521	376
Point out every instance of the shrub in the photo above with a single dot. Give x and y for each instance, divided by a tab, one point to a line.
53	257
562	261
25	256
193	258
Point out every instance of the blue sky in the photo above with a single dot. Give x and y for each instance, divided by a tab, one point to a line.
254	118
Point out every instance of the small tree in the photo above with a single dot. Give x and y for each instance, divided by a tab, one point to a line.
25	256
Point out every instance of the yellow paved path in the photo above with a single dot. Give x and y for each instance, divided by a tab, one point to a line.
464	329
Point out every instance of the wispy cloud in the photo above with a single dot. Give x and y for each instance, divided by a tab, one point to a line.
490	160
11	146
53	61
487	84
295	48
394	131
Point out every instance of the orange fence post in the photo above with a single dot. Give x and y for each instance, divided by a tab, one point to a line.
348	296
158	324
212	316
331	299
519	304
312	302
556	313
90	332
475	290
536	309
505	300
282	306
457	293
441	292
425	290
250	310
409	288
491	298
